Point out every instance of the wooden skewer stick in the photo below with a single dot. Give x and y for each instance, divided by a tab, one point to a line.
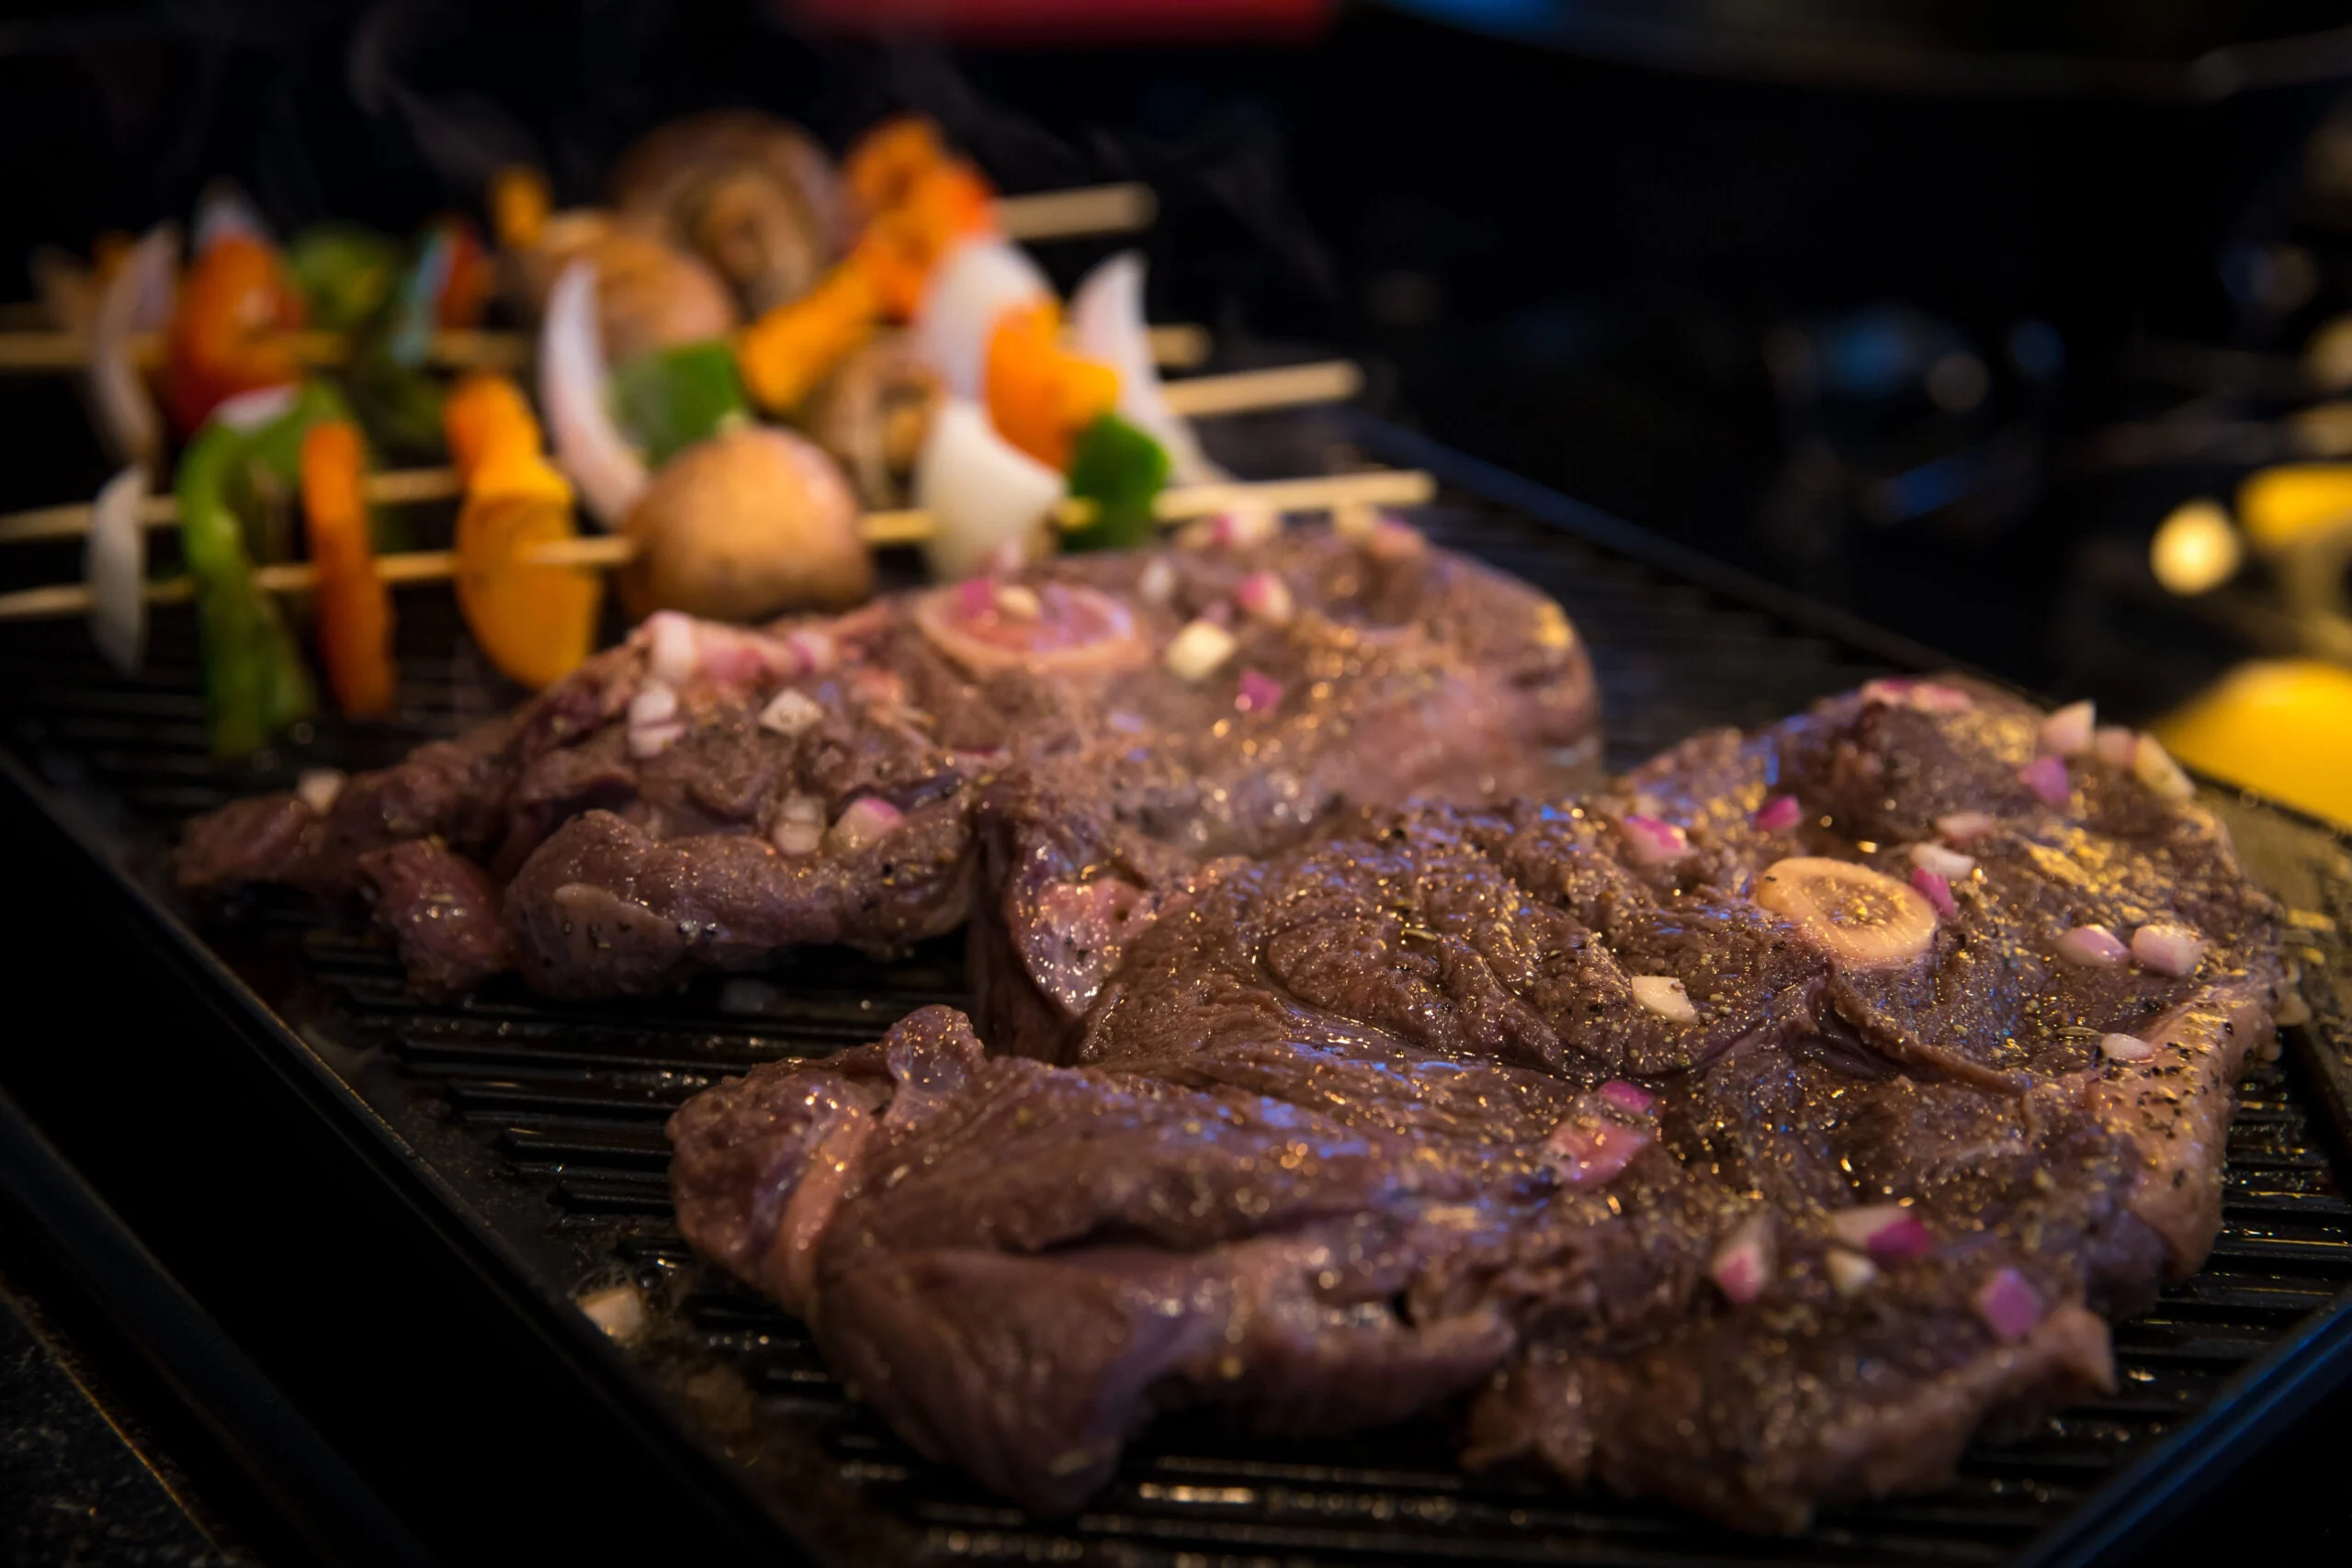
1382	487
1124	209
1291	386
1176	347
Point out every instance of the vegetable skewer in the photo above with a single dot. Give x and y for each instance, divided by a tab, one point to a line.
1198	397
1347	495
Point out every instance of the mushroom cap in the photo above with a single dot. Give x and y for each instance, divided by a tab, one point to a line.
753	522
753	195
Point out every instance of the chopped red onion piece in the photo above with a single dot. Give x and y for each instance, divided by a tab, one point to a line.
2114	745
1779	814
1259	692
2010	1306
619	1310
1925	696
1965	826
1888	1232
1944	862
319	788
790	713
817	650
1395	540
742	658
1664	995
1650	842
673	655
1244	527
1217	613
655	703
1157	582
2153	766
1018	602
1744	1264
1194	653
2067	732
2094	947
796	838
1849	1273
1630	1098
2046	776
1936	890
866	819
652	739
2125	1048
1588	1153
1265	597
2167	949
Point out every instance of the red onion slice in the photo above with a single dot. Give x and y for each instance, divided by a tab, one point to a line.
1922	697
673	651
1744	1263
1630	1098
818	651
2125	1048
2046	776
1859	916
1649	842
1588	1153
1936	890
655	703
1779	814
652	739
865	823
2094	947
1665	996
2167	949
1258	693
2010	1306
1265	598
2067	732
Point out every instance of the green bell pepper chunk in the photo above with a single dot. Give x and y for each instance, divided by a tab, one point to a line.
237	485
669	399
1121	470
398	398
345	273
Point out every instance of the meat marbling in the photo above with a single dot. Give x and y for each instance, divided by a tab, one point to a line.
1412	1117
703	795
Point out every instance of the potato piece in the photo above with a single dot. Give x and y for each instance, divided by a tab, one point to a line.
749	524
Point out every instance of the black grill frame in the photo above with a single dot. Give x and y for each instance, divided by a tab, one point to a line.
527	1133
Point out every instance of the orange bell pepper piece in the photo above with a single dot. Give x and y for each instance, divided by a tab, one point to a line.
784	354
536	623
519	202
1039	394
886	160
227	333
355	611
945	205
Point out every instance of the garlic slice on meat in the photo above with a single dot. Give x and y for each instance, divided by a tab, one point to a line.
1857	916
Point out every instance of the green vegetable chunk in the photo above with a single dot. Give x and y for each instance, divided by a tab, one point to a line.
238	485
1121	470
671	399
344	273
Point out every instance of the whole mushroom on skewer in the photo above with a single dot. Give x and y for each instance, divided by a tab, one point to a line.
753	196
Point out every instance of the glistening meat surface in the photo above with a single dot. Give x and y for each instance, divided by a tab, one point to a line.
704	795
1677	1140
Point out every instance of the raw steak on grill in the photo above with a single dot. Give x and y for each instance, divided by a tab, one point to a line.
1745	1136
704	795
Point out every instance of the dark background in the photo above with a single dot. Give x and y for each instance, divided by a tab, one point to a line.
1699	279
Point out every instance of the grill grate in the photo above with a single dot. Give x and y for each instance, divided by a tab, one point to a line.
547	1118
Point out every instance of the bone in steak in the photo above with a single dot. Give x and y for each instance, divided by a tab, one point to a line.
1705	1159
705	795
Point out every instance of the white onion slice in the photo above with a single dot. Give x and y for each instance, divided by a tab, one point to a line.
983	493
1107	325
980	280
589	445
137	298
114	560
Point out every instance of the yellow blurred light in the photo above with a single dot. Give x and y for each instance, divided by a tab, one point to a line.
2195	549
2282	506
2281	727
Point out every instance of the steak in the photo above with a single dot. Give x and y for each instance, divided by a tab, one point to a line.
1699	1139
705	795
